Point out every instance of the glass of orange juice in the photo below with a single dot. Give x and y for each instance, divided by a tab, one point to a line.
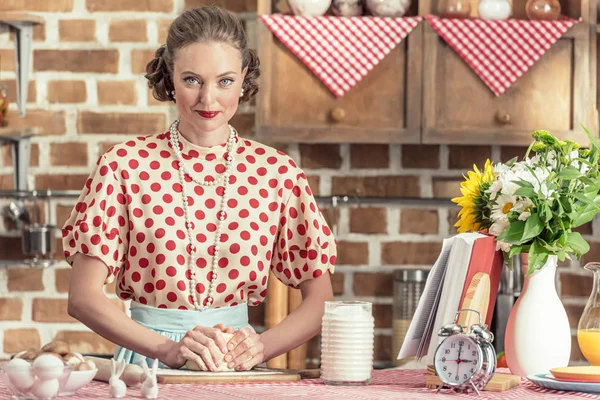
588	330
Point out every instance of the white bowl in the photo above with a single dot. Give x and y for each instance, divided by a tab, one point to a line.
77	380
20	378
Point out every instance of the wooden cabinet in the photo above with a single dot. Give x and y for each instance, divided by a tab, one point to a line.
423	92
459	108
295	106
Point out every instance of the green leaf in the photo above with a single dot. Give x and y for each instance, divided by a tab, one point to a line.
511	161
548	212
534	254
585	199
562	240
537	257
540	261
577	243
513	233
585	216
562	255
590	183
592	138
569	173
523	183
525	192
567	203
518	249
533	227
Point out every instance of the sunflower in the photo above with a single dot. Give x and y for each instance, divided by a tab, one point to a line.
475	213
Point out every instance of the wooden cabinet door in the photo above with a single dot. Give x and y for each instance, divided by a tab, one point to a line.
295	106
553	94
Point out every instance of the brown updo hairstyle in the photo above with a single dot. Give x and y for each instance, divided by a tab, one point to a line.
205	24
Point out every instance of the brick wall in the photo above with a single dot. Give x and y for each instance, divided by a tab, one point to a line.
87	92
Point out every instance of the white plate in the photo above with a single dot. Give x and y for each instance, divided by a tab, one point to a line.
549	383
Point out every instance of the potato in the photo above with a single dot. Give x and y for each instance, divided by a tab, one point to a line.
57	346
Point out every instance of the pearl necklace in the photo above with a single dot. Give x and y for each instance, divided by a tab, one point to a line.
224	177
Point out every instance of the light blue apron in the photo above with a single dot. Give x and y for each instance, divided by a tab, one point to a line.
174	323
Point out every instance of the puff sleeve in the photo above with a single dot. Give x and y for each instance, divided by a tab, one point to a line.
98	225
305	247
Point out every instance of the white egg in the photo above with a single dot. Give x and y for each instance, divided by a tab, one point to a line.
19	373
48	366
45	389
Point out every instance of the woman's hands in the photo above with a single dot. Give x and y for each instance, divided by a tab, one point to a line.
246	350
203	345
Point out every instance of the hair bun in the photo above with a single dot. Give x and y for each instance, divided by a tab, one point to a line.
159	75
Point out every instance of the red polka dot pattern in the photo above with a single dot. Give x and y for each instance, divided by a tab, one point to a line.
130	216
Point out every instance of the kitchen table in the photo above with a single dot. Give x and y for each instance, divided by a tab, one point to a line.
387	384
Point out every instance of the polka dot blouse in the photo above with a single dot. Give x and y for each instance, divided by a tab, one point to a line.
130	216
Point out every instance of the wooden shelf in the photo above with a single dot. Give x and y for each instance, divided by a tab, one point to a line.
22	25
8	17
16	132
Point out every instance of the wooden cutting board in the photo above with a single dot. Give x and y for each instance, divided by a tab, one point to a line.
134	375
199	377
499	382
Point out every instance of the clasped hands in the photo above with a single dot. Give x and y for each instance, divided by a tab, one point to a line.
209	349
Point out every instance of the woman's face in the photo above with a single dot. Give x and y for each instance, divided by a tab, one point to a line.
208	81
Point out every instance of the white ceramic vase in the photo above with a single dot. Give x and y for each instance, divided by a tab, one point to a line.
494	9
538	335
309	8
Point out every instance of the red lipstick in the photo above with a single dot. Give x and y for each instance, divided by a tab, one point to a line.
208	114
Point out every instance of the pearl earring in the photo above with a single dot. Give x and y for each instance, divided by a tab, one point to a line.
242	93
173	93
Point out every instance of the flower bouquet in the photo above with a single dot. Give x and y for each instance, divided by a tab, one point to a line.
532	205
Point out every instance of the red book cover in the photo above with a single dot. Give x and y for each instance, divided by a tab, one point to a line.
482	281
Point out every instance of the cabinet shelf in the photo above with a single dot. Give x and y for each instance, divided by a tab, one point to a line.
16	133
14	17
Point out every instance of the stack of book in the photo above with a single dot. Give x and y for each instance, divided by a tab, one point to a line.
465	275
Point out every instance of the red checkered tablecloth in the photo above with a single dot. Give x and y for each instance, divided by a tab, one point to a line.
500	52
387	384
340	51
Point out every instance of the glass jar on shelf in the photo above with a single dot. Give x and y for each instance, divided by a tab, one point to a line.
388	8
548	10
408	287
454	8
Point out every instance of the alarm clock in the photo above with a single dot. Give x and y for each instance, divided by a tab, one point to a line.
465	361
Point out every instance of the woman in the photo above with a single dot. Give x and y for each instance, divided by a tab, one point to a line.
189	222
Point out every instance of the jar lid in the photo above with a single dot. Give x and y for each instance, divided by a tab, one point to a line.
411	275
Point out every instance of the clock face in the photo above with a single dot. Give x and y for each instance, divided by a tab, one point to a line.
457	359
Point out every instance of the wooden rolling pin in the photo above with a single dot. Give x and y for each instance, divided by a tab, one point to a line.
132	375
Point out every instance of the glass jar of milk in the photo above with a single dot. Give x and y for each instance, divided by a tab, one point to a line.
347	343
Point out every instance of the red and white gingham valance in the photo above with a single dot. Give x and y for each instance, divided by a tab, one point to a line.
500	52
340	51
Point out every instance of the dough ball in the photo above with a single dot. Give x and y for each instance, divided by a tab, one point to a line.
192	366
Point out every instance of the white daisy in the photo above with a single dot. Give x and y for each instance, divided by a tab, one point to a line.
498	227
505	247
524	215
503	205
